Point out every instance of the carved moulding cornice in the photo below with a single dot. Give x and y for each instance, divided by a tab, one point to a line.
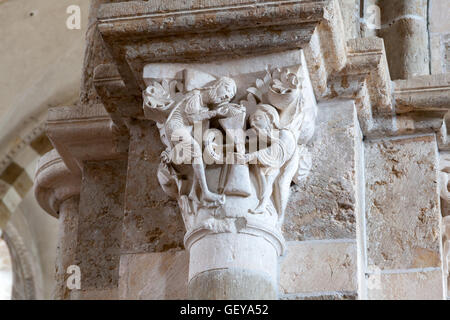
356	69
422	103
84	133
250	40
141	33
364	79
390	108
138	33
54	182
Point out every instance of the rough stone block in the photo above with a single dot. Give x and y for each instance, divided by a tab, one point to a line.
154	276
350	14
402	203
152	221
100	223
324	205
437	54
319	266
406	286
439	16
67	244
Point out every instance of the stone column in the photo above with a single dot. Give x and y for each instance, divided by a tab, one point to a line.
99	234
66	250
371	18
350	14
405	33
85	141
232	212
233	208
237	266
57	190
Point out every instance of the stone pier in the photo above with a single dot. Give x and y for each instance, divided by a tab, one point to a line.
256	150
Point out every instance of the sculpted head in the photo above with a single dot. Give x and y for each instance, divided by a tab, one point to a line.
222	90
265	118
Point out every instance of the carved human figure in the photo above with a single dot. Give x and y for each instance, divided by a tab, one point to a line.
281	147
279	113
220	95
190	110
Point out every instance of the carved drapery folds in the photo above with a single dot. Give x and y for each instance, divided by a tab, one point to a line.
234	144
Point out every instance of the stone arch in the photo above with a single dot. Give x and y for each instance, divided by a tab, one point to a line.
17	170
24	278
6	273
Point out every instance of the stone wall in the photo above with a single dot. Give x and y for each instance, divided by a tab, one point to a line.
402	228
366	222
439	31
321	223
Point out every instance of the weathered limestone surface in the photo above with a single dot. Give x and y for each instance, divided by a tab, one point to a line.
152	263
154	276
406	286
446	252
439	22
350	14
439	29
319	266
95	54
57	190
129	241
152	221
67	245
240	284
404	30
324	206
402	203
100	224
423	93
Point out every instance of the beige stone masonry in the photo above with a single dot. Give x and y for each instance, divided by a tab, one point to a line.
154	276
365	223
402	219
319	266
324	205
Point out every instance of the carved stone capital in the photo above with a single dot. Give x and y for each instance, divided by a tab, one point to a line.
54	183
235	135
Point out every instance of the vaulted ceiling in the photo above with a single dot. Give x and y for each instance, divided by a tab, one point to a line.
40	62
